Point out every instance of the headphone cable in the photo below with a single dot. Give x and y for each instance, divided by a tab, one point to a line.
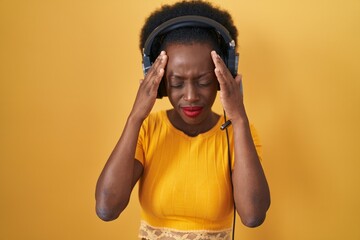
224	127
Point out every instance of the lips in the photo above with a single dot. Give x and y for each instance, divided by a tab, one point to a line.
192	111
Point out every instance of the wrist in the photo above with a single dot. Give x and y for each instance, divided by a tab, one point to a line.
239	116
135	119
240	121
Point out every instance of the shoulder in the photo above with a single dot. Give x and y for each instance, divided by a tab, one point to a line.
154	120
155	117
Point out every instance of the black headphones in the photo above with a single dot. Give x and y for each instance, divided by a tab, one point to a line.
231	58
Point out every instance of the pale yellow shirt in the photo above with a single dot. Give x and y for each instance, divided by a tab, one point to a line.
186	183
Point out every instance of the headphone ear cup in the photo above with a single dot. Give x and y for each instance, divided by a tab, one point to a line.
237	56
232	62
146	64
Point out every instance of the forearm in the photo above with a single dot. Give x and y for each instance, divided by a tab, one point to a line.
121	170
251	191
116	181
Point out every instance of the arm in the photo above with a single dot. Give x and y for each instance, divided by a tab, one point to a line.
251	191
122	171
119	175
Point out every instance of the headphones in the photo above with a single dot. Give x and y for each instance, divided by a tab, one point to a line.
231	57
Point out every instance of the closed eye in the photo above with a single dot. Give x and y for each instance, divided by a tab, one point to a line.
204	84
176	84
206	79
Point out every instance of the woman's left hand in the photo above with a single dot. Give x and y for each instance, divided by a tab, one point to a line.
231	94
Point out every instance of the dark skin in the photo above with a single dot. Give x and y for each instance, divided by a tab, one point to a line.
190	86
193	72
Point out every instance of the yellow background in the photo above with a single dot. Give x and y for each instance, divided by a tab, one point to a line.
69	71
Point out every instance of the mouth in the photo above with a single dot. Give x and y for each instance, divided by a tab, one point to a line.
192	112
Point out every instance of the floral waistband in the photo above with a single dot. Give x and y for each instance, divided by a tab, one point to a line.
148	232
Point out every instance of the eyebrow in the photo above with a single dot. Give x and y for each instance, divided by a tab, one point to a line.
176	76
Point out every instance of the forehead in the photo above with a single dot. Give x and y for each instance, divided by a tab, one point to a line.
201	46
187	57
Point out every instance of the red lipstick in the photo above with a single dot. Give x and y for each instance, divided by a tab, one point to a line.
192	111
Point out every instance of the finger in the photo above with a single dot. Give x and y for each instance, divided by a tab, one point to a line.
152	84
225	80
160	69
156	71
156	63
222	72
219	62
217	59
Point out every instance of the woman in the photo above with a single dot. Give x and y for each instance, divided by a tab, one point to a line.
180	156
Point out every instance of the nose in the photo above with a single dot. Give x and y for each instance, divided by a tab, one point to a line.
191	93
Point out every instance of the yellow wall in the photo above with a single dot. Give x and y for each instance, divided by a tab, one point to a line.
69	71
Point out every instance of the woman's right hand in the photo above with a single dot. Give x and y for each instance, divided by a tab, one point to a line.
146	95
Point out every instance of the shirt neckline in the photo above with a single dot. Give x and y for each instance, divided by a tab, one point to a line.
212	131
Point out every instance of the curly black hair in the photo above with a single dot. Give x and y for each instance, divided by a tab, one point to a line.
188	34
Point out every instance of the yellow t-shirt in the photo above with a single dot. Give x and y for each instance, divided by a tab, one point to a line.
186	180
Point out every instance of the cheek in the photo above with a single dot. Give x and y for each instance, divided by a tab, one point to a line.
173	95
211	95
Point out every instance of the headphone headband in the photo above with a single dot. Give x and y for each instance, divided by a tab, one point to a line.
187	21
231	60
